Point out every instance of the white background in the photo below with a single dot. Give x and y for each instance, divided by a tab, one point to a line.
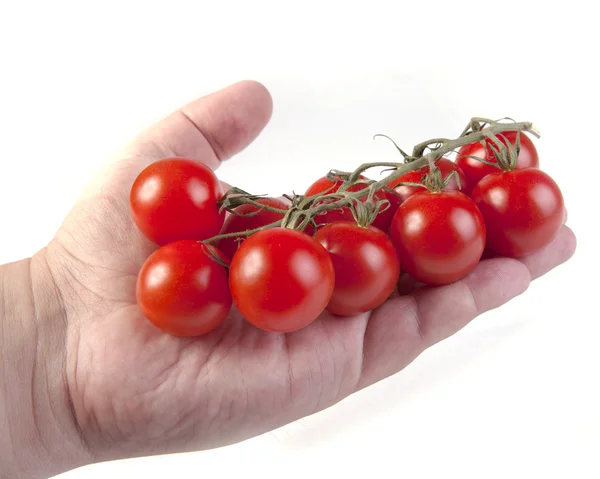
515	393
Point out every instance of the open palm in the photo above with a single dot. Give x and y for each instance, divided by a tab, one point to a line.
137	391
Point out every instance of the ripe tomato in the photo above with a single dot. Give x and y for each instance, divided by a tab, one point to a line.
383	219
388	214
439	237
235	223
446	167
475	170
182	290
523	210
366	266
176	199
281	279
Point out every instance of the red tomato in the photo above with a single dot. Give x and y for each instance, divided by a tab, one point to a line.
366	266
176	199
475	170
182	290
281	279
388	215
383	219
446	167
523	210
439	237
235	223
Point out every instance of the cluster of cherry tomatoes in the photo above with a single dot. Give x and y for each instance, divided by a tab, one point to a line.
281	279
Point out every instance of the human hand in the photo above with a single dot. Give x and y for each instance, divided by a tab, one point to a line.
131	390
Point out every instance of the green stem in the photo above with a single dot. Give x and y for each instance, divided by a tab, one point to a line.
311	206
355	175
239	234
261	206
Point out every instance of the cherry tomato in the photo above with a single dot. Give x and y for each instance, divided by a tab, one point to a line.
439	237
446	167
523	210
366	266
281	279
182	290
235	223
475	170
176	199
387	215
383	219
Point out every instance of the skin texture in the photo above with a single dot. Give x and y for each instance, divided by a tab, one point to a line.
182	290
281	279
175	188
475	170
439	237
446	167
235	223
383	219
106	384
523	211
366	267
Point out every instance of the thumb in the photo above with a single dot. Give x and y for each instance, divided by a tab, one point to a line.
210	130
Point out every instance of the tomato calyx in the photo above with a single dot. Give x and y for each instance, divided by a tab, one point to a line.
365	213
435	182
298	217
506	153
213	255
496	144
231	202
236	197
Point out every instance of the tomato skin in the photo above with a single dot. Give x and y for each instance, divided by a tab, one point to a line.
523	210
439	237
366	267
281	279
446	167
182	290
383	219
176	199
476	170
235	223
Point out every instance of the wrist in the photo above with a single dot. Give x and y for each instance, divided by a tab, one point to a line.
38	431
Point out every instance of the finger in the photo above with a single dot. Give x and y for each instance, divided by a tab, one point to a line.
408	285
557	252
210	129
405	326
